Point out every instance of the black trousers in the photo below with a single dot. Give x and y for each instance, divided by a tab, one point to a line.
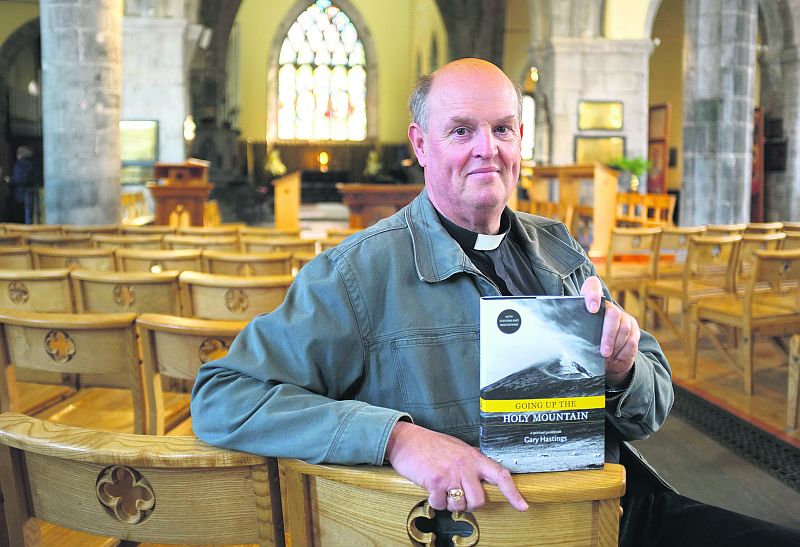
656	516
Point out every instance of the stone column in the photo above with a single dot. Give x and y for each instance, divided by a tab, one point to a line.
718	90
784	193
81	83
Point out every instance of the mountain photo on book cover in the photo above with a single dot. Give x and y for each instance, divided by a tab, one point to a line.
542	384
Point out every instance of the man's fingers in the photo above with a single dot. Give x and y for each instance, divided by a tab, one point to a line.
500	477
611	324
592	291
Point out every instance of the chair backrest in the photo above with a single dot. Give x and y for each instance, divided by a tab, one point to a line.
90	229
149	229
155	260
16	257
129	241
792	241
752	242
273	233
228	297
25	229
254	244
673	246
725	229
780	270
100	349
115	292
139	488
222	243
301	259
88	259
319	502
342	232
712	259
763	227
175	347
58	240
10	240
789	226
205	231
246	264
632	245
36	290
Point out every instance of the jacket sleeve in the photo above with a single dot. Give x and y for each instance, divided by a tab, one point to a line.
643	407
286	387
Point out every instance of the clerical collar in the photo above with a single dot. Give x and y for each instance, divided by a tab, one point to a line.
468	239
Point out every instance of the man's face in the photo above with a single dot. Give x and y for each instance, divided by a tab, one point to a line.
471	149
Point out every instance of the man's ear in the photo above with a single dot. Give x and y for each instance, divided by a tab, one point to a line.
521	127
417	137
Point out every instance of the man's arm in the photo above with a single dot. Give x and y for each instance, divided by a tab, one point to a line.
277	391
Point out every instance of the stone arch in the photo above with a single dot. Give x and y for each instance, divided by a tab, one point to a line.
650	19
9	50
371	67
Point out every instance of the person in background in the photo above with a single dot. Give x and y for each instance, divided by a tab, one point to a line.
23	187
373	357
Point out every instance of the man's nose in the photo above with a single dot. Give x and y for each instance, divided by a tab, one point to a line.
485	143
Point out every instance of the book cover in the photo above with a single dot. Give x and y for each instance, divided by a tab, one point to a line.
542	382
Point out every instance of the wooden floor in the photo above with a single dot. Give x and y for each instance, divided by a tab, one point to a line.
721	383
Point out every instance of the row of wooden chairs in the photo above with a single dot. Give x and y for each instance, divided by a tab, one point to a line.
155	260
645	210
187	293
143	488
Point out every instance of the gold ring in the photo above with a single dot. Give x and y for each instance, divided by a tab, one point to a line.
455	494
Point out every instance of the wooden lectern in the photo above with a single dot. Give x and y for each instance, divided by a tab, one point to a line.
182	189
368	203
287	202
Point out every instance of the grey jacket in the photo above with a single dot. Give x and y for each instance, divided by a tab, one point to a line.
385	326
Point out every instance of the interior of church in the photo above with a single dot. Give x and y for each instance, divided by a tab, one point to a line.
186	149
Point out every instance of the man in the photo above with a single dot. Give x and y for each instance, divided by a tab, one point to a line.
23	183
373	356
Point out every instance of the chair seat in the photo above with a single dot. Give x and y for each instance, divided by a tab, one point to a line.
64	537
729	310
674	288
109	409
182	429
36	397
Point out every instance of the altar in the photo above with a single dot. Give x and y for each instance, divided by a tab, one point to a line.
368	203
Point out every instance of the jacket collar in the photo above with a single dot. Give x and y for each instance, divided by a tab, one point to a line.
438	256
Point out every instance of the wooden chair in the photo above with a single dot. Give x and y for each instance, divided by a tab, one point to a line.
137	488
129	241
10	240
115	292
792	241
763	227
90	229
301	259
162	229
645	210
174	348
327	505
751	243
792	410
58	240
228	297
673	247
774	312
17	257
253	244
213	231
725	229
88	259
789	226
155	260
707	256
342	232
630	260
36	290
27	229
268	232
219	243
246	264
329	243
134	210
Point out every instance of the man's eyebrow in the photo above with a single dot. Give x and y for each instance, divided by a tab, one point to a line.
464	120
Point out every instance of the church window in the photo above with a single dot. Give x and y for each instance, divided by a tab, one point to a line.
322	79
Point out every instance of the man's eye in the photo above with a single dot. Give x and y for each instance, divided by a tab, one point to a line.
503	129
460	131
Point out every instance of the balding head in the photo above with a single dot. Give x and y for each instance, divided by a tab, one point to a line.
460	69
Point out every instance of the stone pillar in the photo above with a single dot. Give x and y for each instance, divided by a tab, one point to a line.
81	69
784	193
572	69
718	94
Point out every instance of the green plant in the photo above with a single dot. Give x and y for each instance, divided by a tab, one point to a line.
636	166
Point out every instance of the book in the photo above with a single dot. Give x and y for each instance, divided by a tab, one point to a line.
542	382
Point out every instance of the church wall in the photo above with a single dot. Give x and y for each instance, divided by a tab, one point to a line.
427	29
516	44
625	19
666	77
388	23
15	14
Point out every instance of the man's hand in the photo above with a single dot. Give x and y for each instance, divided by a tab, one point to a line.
439	463
620	339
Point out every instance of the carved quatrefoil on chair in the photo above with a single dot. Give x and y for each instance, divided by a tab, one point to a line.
211	349
18	292
59	346
245	270
428	527
124	295
125	494
236	301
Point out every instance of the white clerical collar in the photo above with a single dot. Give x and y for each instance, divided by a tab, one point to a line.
486	242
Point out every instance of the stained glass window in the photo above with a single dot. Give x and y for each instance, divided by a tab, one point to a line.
322	80
528	125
